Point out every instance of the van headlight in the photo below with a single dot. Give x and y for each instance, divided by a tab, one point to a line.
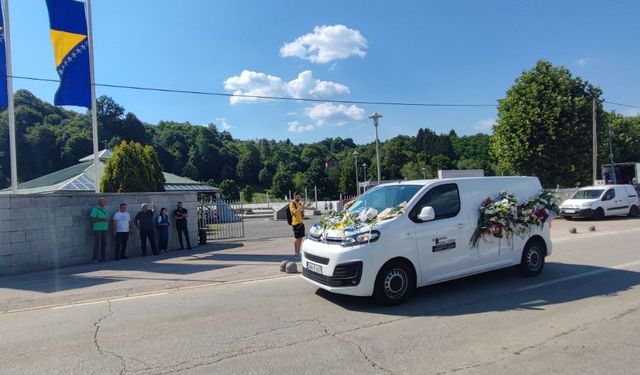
361	238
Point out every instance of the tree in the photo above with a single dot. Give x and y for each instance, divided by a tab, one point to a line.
132	168
625	141
247	194
472	152
230	189
282	181
414	170
544	126
249	163
190	170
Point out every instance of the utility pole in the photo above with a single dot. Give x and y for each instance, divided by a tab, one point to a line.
375	117
613	164
594	150
355	155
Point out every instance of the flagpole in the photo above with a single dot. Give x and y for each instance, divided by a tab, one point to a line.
10	108
94	113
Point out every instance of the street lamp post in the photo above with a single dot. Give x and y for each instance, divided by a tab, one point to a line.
355	155
364	176
375	116
424	172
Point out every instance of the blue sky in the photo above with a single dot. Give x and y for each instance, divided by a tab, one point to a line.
415	51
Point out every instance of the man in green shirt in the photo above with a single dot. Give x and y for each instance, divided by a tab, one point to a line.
100	224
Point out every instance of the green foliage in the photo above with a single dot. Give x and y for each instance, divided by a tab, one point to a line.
625	141
133	168
247	194
282	181
544	126
249	163
416	171
544	129
230	189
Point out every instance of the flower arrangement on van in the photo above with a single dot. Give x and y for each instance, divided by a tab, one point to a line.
504	216
345	222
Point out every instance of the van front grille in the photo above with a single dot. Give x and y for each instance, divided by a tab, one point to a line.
316	259
347	274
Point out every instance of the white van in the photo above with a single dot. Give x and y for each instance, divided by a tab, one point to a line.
599	201
430	242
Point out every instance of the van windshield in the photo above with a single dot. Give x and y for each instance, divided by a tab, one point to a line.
588	194
384	197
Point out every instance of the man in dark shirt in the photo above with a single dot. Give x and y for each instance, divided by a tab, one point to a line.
144	222
180	216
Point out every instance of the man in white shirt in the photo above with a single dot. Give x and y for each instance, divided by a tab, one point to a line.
121	229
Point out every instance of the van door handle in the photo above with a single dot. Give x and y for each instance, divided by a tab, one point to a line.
460	225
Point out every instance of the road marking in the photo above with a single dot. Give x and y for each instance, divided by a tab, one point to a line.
578	276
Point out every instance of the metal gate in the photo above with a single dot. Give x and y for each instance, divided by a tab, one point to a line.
220	219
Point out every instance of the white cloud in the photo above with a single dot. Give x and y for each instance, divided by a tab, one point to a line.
261	84
224	123
332	114
582	62
326	44
326	89
296	127
485	126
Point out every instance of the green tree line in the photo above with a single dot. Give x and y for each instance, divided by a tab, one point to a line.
543	128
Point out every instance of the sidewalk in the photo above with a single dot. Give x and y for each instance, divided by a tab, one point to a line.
217	263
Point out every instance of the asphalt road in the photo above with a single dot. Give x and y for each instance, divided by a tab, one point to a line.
580	316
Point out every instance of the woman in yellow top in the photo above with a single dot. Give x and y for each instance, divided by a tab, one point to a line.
297	215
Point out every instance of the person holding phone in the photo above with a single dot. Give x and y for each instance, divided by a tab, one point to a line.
297	216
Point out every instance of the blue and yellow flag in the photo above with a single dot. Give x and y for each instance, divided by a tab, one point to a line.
4	99
71	51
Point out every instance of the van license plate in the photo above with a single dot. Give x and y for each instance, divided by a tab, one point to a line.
570	211
314	267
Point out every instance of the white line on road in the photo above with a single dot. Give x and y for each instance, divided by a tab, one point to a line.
578	276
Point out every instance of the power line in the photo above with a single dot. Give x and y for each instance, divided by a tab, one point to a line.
622	105
266	97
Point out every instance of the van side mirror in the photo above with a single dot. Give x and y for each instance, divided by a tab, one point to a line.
427	214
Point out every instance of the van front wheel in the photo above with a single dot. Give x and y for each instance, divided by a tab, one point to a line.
394	283
532	261
598	214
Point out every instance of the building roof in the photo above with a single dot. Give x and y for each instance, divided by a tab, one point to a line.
102	156
81	177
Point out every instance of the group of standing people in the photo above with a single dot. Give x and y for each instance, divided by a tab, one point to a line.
145	221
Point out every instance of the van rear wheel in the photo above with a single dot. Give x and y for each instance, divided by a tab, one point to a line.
394	283
532	261
634	211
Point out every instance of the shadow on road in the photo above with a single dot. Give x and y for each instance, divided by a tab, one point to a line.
502	290
87	275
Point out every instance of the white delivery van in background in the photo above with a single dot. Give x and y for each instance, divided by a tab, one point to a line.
596	202
428	243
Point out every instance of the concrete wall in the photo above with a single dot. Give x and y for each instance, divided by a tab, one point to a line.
53	230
